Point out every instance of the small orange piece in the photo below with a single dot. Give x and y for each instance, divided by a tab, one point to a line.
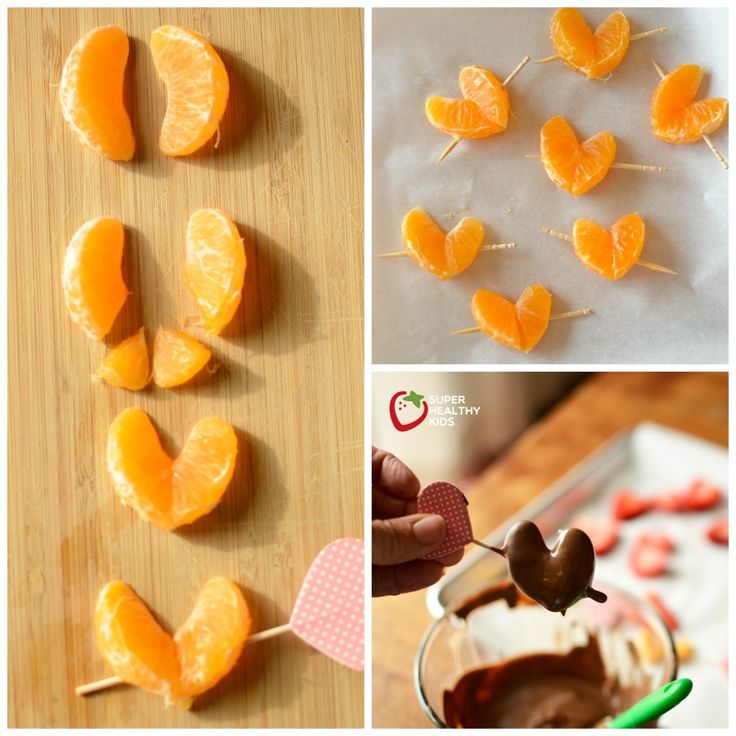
443	255
484	111
197	88
177	357
167	492
677	117
593	54
92	281
519	326
91	93
609	254
573	166
215	266
127	364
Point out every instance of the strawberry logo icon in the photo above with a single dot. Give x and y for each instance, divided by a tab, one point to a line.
400	402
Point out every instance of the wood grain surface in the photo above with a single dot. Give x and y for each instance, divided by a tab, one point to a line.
289	171
606	403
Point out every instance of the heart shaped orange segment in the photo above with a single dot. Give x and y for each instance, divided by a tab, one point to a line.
483	111
609	254
573	166
444	255
519	326
170	492
593	54
127	365
677	117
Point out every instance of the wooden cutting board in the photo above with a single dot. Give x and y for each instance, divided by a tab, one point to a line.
289	172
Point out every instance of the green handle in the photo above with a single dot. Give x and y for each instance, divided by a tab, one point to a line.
654	705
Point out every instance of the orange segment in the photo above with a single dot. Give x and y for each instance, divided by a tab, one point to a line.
177	357
519	326
676	116
443	255
593	54
197	88
573	166
139	651
92	281
610	254
215	266
91	93
483	112
211	640
127	365
170	492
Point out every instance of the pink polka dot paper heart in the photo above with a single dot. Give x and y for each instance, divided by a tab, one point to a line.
328	613
445	499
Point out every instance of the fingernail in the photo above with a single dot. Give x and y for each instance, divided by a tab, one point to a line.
429	530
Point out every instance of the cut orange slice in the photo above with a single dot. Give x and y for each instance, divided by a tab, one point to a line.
484	111
170	492
197	88
215	266
91	93
677	117
573	166
92	281
177	357
519	326
442	255
593	54
127	364
609	254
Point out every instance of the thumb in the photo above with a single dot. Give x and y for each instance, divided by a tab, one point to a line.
406	538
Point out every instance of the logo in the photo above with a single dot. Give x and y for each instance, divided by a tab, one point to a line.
403	416
410	409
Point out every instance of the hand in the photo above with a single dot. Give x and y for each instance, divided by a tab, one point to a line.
400	535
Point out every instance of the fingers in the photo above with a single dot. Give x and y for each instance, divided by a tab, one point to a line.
392	476
452	559
406	577
407	538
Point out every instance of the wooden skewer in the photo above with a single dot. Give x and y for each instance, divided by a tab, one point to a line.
706	138
640	262
108	682
559	315
615	165
634	37
456	139
492	246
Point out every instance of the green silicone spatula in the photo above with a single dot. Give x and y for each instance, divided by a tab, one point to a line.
654	705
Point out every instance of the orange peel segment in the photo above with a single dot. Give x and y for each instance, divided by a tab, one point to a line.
177	357
610	254
127	365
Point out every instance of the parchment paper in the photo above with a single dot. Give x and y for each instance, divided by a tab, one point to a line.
646	317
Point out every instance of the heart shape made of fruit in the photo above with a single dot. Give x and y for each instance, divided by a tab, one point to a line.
573	166
170	492
593	54
483	111
609	254
329	610
556	578
202	651
448	501
519	326
677	117
443	255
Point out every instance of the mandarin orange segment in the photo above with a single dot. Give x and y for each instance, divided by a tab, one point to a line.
677	117
91	93
170	492
610	254
127	364
177	357
519	326
197	88
442	255
593	54
211	640
92	280
575	167
215	266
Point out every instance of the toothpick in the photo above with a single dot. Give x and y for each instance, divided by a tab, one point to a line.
488	547
615	165
456	139
559	315
492	246
640	262
634	37
706	138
